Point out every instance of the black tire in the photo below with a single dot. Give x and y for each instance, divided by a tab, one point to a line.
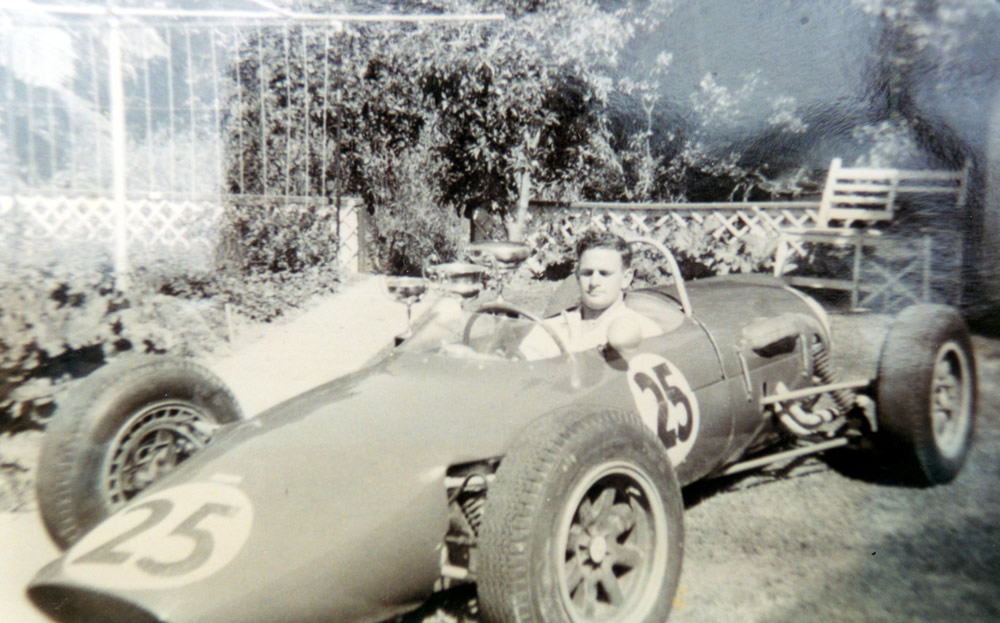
593	493
926	394
120	429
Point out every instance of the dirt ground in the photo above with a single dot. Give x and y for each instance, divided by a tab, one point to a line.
820	543
819	540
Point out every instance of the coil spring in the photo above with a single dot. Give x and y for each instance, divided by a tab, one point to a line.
845	398
472	508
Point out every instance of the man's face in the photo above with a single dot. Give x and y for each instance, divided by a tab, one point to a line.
602	277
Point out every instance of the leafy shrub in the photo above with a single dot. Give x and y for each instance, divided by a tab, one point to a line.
258	295
410	228
409	239
279	235
276	254
58	325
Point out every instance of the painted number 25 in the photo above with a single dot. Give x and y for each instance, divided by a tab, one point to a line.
201	540
177	536
668	397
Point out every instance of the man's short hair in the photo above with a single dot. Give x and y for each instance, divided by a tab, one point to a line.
594	239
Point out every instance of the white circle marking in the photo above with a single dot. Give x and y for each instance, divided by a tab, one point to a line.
659	387
170	538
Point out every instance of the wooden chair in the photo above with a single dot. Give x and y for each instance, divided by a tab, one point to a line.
857	203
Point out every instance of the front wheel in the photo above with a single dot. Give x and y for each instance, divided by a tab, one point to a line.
582	524
121	429
926	398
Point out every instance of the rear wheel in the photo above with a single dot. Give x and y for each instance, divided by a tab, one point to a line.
927	393
121	429
583	524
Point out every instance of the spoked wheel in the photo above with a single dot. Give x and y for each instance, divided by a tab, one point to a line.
152	442
614	530
583	524
926	397
120	430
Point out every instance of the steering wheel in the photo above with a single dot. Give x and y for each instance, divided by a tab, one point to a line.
503	307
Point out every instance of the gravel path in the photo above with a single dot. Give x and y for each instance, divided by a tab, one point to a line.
335	335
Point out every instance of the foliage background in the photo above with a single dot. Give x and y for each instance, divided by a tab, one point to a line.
573	100
438	121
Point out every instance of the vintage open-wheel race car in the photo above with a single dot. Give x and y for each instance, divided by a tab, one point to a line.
554	484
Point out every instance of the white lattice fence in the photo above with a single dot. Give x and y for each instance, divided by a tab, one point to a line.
58	218
73	229
178	225
558	223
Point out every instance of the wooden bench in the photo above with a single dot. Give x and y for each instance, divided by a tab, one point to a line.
856	205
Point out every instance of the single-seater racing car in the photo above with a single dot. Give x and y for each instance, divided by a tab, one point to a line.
553	484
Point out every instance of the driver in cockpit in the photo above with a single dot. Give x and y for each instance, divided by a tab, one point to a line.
603	272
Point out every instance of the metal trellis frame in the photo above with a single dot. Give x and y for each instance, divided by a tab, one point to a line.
142	122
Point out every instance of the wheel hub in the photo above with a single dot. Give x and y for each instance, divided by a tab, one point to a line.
949	408
598	550
614	549
153	442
